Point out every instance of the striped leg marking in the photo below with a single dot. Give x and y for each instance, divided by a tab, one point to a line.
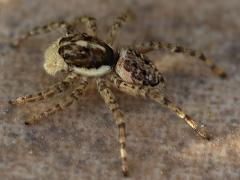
155	95
150	46
41	30
60	106
90	23
111	103
50	92
118	23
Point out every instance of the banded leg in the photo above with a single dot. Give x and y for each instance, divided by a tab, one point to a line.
118	23
111	103
41	30
60	106
150	46
50	92
156	95
90	23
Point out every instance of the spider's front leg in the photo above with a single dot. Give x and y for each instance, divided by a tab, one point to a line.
76	93
156	95
111	103
150	46
50	92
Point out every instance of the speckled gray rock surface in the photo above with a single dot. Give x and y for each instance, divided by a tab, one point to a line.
81	143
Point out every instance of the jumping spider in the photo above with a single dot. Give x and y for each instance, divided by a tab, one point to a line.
84	56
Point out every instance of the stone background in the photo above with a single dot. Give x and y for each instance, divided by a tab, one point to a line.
81	143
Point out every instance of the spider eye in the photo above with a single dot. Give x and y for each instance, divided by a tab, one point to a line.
136	68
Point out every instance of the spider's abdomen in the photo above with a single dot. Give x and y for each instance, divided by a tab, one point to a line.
86	55
136	68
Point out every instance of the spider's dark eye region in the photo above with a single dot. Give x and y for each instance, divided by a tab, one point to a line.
136	68
84	52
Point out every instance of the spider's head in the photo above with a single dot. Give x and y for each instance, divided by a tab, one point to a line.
81	53
136	68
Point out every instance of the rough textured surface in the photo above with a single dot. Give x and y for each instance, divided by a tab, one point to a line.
80	143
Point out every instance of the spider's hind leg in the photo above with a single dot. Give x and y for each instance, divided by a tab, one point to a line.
111	103
40	30
150	46
117	24
50	92
60	106
90	23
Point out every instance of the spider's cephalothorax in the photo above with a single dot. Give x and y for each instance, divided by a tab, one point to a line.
81	53
83	56
134	67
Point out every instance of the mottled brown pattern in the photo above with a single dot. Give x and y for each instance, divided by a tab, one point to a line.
73	160
142	70
86	57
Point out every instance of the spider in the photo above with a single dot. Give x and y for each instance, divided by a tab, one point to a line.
84	56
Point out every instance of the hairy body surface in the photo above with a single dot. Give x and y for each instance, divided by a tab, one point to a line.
84	56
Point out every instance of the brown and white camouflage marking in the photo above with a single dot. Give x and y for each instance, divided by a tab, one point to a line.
136	68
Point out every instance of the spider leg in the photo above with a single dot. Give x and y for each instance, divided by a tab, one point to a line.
111	103
60	106
90	23
50	92
117	24
150	46
40	30
156	95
